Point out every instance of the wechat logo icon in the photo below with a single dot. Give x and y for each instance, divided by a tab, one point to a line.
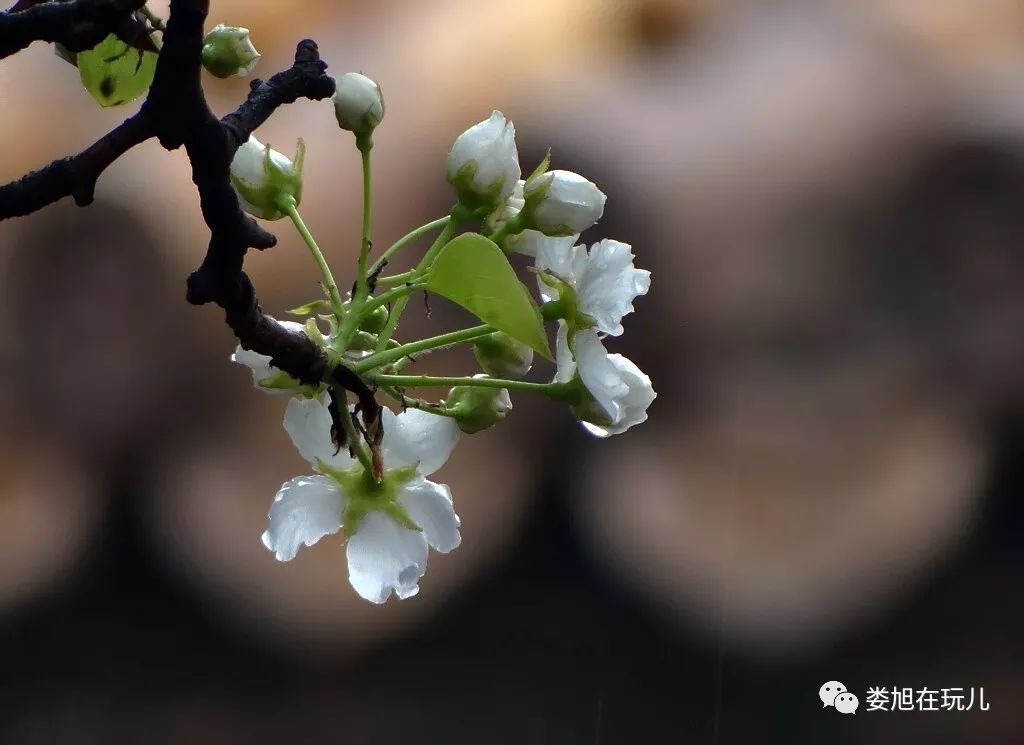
834	693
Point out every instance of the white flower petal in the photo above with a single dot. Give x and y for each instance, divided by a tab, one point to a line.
598	373
618	386
247	163
559	256
633	405
609	283
430	506
308	422
384	557
260	363
417	437
305	510
565	365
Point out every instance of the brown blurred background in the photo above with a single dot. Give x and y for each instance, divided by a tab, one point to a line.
830	194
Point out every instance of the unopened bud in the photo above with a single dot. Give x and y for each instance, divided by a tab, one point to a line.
476	408
264	178
502	356
228	50
358	103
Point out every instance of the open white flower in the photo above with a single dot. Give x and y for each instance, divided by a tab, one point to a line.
604	280
563	203
620	393
483	163
390	526
265	376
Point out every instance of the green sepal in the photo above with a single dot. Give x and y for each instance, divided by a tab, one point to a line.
310	307
539	171
314	333
470	198
364	494
284	382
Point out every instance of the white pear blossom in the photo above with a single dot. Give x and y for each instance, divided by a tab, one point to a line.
358	103
620	392
265	376
262	177
563	203
228	50
389	526
604	280
483	164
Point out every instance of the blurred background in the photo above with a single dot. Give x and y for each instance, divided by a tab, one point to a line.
830	196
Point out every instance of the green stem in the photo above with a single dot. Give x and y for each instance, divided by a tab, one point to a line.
416	403
365	145
554	390
406	239
393	355
362	289
395	279
420	270
392	295
289	208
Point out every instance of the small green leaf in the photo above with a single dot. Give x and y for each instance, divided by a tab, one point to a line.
311	307
473	272
116	73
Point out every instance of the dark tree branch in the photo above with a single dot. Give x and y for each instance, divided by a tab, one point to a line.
176	113
305	79
72	177
77	24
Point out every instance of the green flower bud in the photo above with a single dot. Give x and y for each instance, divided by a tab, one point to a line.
376	321
264	178
358	103
502	356
476	409
228	50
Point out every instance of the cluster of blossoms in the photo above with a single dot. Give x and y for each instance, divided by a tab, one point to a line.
375	489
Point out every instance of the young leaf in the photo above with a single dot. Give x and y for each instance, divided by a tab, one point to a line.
473	272
311	307
116	73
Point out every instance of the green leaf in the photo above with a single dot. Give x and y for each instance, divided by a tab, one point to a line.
116	73
311	307
473	272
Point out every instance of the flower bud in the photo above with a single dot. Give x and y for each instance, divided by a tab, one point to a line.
562	203
502	356
483	164
375	322
228	50
264	178
476	409
358	103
